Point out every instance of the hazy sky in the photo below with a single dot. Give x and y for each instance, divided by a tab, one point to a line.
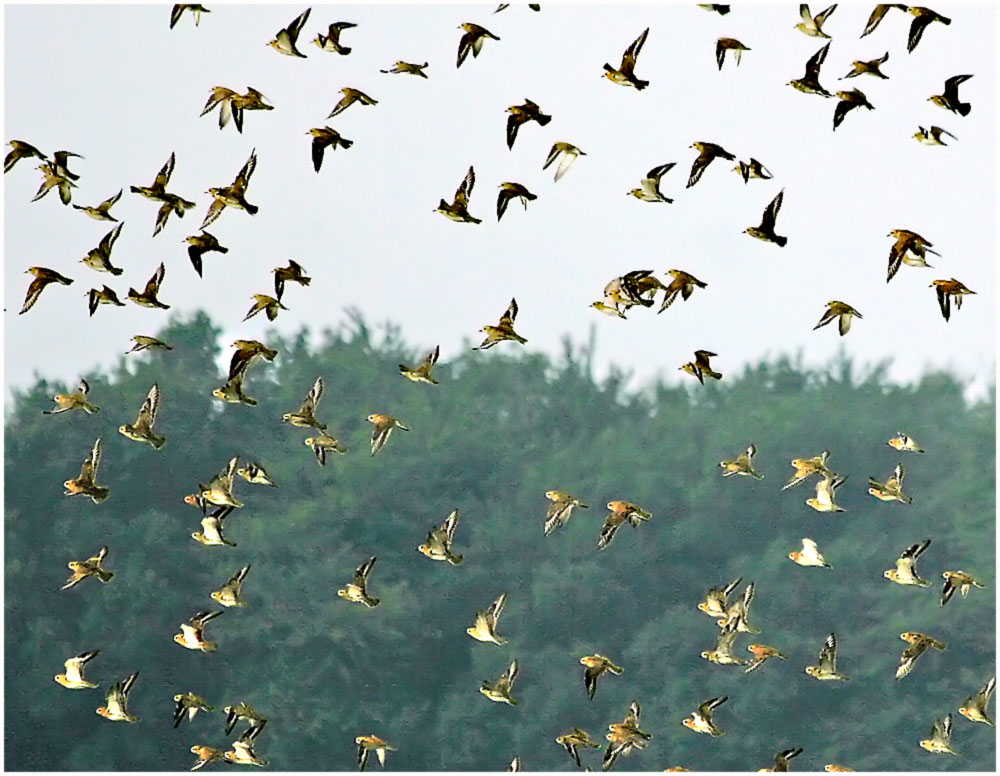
115	84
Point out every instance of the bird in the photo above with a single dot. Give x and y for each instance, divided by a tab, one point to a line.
761	654
99	258
714	604
521	114
116	701
781	761
294	272
574	739
148	297
765	231
371	743
683	283
485	626
569	154
649	187
219	490
357	590
407	67
74	401
323	138
254	473
504	330
500	691
907	242
620	512
827	668
20	150
91	567
924	17
595	666
171	203
743	465
738	613
245	712
974	708
940	738
813	25
86	483
73	679
701	720
233	195
305	416
722	10
472	41
607	309
701	367
871	67
834	768
533	7
101	212
458	210
188	704
946	290
515	765
384	424
806	467
949	98
199	245
919	643
104	295
809	555
286	38
877	15
206	755
247	351
178	10
510	190
43	276
722	45
932	136
809	83
825	490
192	635
224	98
855	98
229	593
957	580
624	736
232	391
144	342
723	653
840	311
422	372
142	429
891	489
905	572
211	529
438	544
159	187
350	97
560	509
322	444
51	179
625	74
752	169
268	304
243	752
904	443
331	41
707	152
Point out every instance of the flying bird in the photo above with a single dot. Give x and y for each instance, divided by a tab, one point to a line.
877	15
458	210
743	465
625	74
500	691
948	290
568	153
932	136
73	679
905	572
472	41
940	736
43	276
722	45
384	425
86	483
148	297
407	67
331	41
949	98
233	195
116	703
649	187
957	580
323	138
827	668
357	590
286	38
438	544
142	429
510	190
919	643
485	626
813	25
560	509
766	231
809	555
871	67
701	720
73	401
422	372
855	98
91	567
101	212
595	666
199	245
195	9
924	17
809	83
707	152
99	258
521	114
504	330
840	312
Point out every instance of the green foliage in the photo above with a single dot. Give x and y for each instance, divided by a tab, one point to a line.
500	429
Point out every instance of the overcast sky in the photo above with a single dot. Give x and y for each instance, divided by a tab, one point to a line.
116	85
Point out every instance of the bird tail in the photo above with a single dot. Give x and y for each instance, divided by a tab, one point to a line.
454	560
543	119
782	241
964	109
252	209
640	85
98	495
158	442
104	576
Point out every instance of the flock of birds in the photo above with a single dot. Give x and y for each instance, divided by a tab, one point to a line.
217	501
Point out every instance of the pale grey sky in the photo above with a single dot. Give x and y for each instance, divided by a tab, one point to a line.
115	84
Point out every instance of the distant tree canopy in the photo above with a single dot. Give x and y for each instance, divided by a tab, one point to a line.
500	430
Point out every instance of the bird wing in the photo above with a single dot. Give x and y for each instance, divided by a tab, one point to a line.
816	61
828	655
464	190
771	212
163	176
